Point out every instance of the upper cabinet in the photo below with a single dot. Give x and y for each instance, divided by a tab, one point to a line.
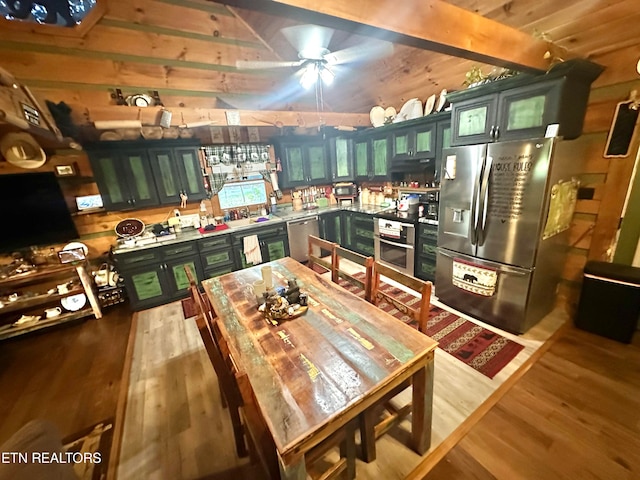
304	161
177	172
418	141
371	155
341	153
124	178
132	175
524	106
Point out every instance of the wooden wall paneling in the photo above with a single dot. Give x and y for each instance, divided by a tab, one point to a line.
574	266
588	206
193	17
621	67
581	230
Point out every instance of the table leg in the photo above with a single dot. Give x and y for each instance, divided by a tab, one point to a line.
422	412
295	471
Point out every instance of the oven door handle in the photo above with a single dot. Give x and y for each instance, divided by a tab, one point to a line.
401	245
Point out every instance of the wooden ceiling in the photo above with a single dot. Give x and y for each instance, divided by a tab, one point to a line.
187	49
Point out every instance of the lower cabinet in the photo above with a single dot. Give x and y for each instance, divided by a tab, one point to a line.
362	240
216	255
273	242
156	276
425	266
331	227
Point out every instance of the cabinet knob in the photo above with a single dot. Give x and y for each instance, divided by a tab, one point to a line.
497	133
492	132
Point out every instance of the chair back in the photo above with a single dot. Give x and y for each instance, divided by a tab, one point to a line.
320	253
200	300
339	272
417	309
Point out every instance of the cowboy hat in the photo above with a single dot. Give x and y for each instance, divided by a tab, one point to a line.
22	150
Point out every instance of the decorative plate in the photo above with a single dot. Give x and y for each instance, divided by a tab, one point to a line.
73	303
442	99
129	227
429	103
377	116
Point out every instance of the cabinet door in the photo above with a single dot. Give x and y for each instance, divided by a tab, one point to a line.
341	159
293	166
136	171
347	224
474	120
424	141
167	176
361	158
125	179
331	227
147	286
316	164
274	248
402	144
379	158
190	172
443	140
363	240
525	112
177	278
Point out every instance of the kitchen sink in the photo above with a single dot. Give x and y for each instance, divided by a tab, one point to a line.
243	222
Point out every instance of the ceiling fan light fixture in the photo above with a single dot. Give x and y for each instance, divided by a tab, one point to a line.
326	75
309	75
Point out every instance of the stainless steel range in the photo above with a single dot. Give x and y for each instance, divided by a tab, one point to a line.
395	238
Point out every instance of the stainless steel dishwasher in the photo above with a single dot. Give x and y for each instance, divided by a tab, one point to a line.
299	231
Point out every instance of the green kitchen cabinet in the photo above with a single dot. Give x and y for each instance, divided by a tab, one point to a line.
358	232
304	161
177	171
331	227
524	106
272	240
443	140
371	154
140	174
341	154
426	252
417	141
125	178
156	276
216	255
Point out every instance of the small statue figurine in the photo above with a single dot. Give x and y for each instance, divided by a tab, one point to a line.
293	292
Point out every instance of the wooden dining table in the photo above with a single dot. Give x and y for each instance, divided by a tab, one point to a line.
314	374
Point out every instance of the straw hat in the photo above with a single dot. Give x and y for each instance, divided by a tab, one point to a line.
22	150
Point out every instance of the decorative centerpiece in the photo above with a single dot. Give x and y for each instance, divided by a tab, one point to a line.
284	303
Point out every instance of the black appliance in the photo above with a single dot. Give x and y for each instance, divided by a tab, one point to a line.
34	211
430	203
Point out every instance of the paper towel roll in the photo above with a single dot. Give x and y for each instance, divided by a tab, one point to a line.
274	181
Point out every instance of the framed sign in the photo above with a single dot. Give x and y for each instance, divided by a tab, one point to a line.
66	170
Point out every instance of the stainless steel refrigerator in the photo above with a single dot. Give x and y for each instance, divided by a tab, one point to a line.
495	260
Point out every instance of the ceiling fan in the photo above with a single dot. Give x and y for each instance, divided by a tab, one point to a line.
315	60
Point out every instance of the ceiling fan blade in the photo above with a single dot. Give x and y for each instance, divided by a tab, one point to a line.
371	50
265	65
308	37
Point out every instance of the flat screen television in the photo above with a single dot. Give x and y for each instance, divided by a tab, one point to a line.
33	212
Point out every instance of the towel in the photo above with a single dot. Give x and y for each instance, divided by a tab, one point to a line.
252	249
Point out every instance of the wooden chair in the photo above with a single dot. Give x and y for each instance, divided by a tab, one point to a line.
229	393
320	254
371	427
261	443
338	272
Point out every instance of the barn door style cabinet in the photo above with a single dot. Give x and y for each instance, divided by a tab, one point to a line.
524	106
155	276
371	155
304	161
341	154
139	174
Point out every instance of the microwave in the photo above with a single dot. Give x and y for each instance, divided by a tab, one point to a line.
345	190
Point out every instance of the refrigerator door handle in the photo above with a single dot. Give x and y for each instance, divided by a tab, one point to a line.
484	200
473	221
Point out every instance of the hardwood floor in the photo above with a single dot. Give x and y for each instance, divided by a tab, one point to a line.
69	375
574	415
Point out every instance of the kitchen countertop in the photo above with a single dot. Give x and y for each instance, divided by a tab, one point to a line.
283	214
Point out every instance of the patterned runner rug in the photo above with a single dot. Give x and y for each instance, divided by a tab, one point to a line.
476	346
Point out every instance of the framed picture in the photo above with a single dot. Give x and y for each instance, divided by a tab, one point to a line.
66	170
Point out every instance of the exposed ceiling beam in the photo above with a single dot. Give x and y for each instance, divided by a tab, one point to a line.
427	24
